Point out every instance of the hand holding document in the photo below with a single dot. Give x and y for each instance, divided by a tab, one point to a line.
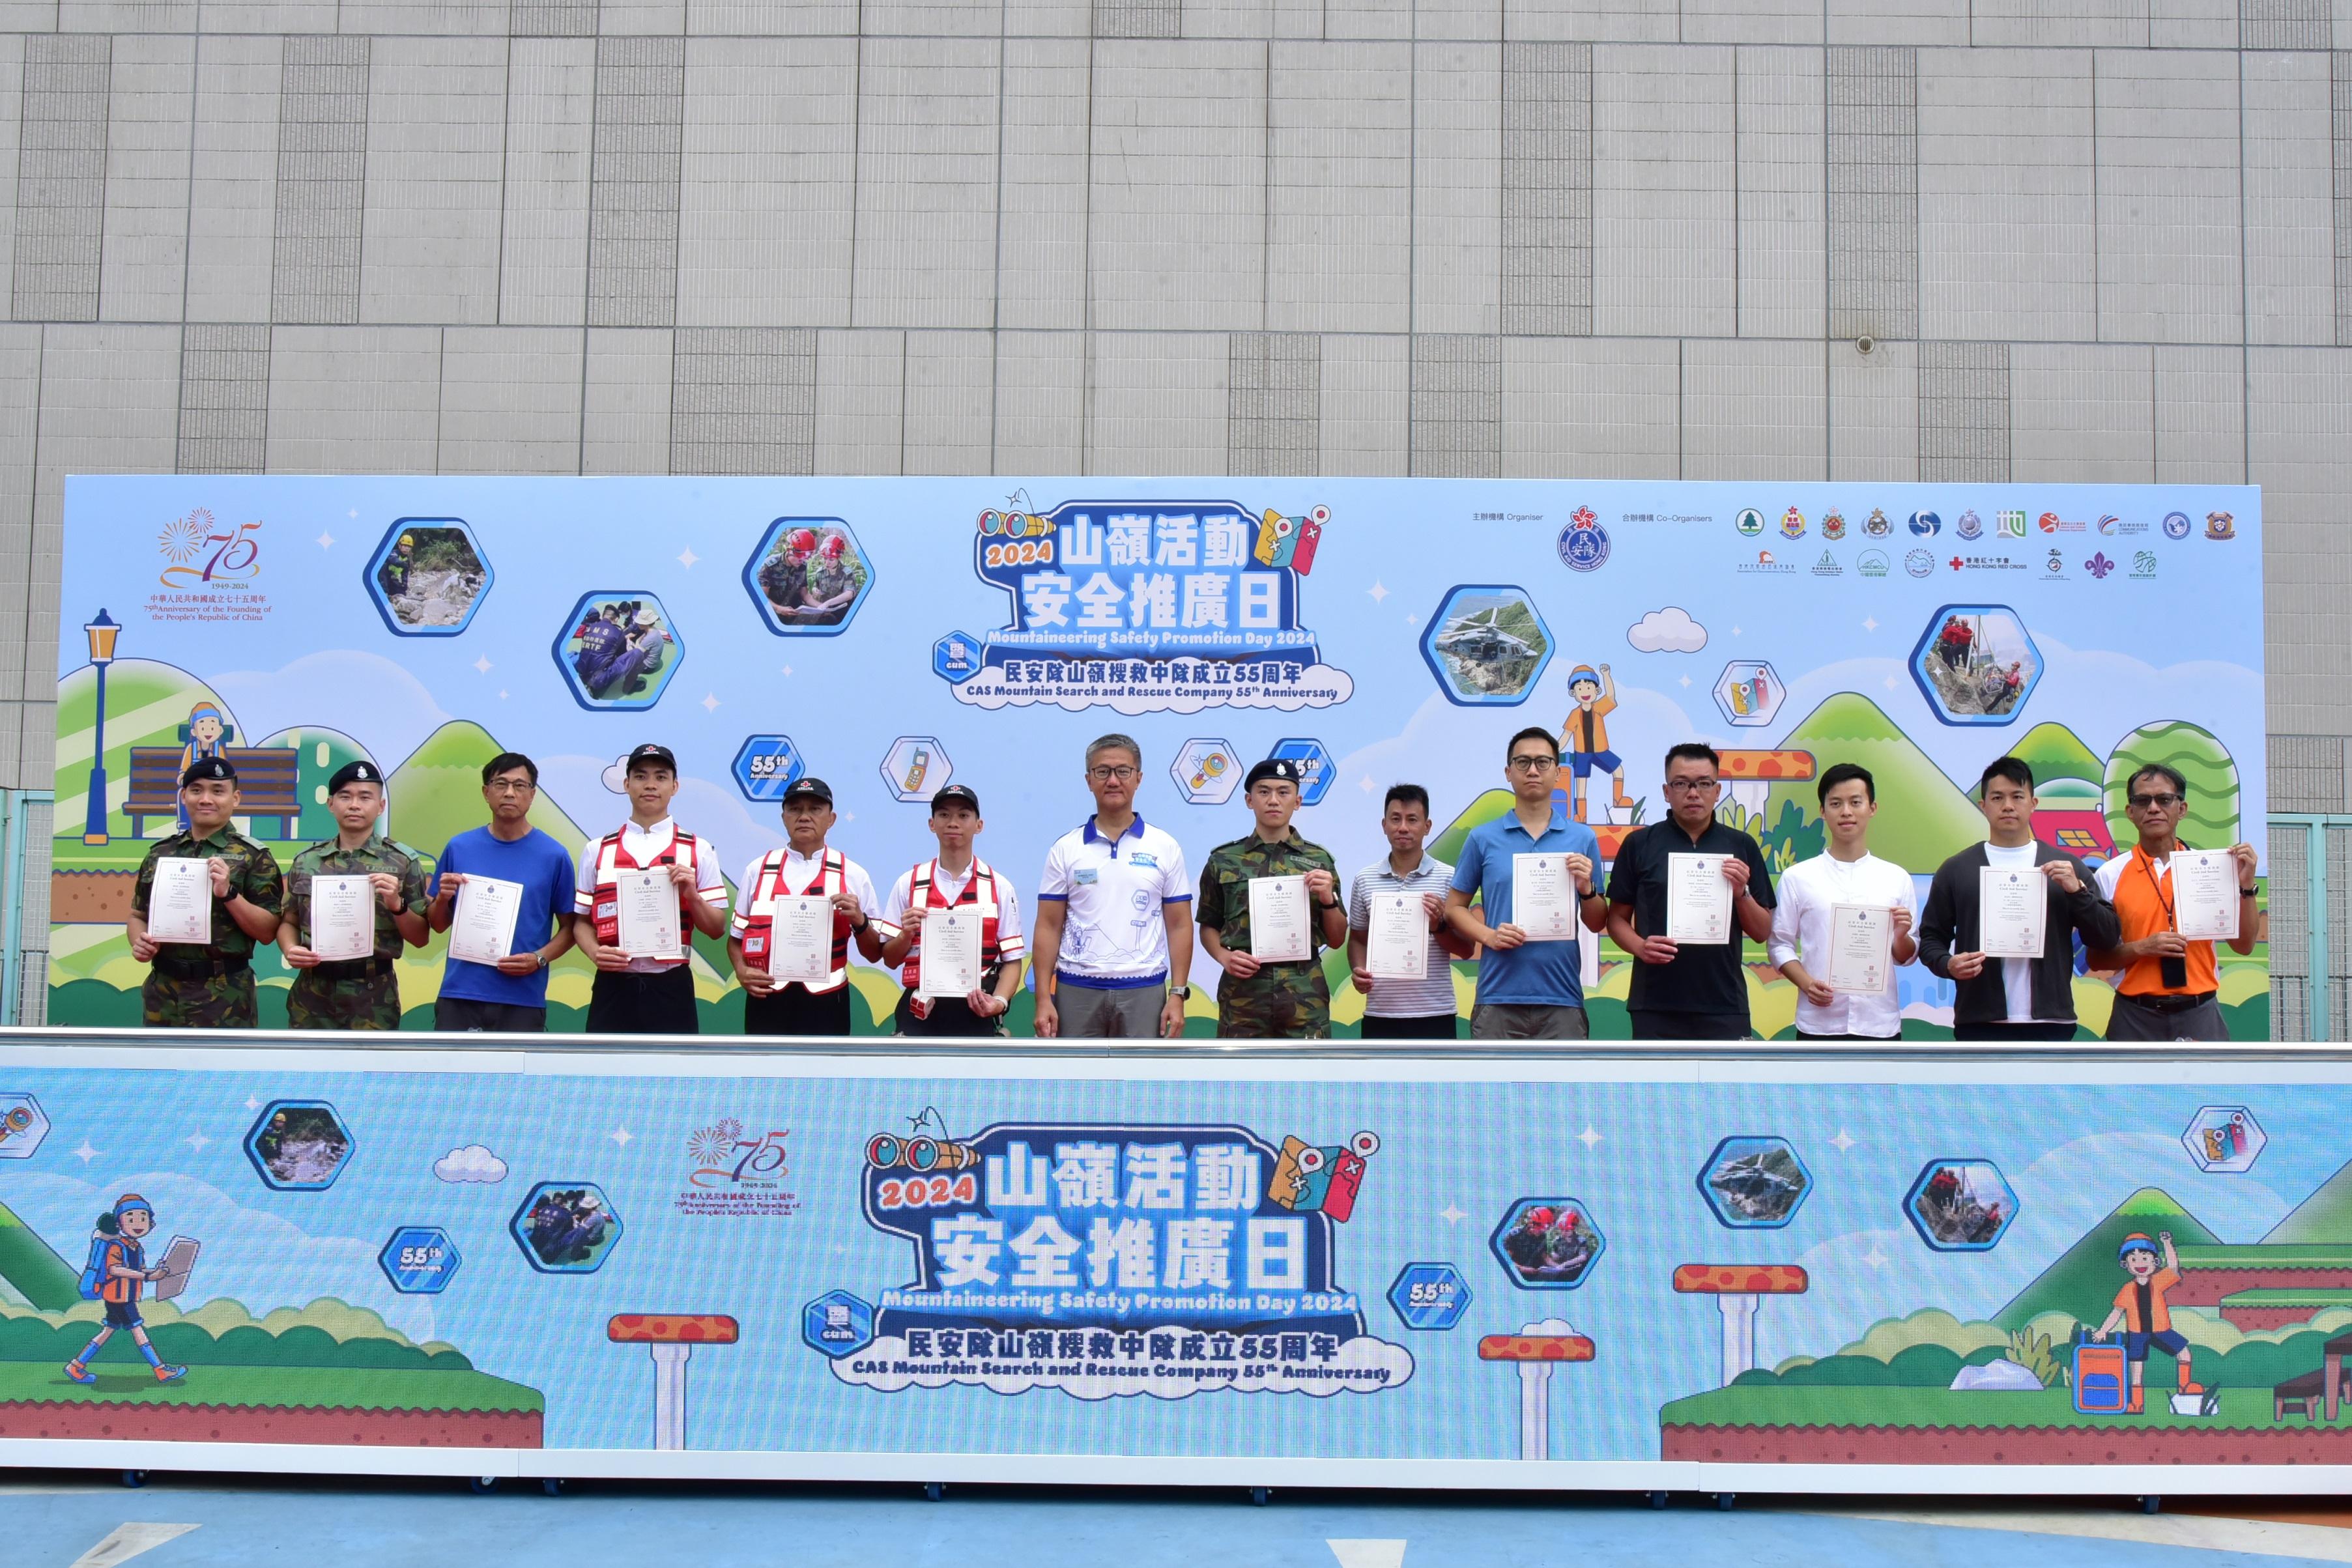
1277	920
1396	943
2012	908
799	940
2205	895
343	918
1861	949
1543	897
649	914
1698	901
950	963
180	901
482	929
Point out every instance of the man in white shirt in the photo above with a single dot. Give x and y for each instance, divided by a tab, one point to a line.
1804	921
1424	1007
646	993
806	867
1114	916
954	879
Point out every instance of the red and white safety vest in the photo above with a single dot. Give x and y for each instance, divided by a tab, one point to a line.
759	912
922	892
612	859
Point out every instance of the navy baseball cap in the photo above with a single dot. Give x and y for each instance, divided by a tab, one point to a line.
809	790
652	753
208	768
956	795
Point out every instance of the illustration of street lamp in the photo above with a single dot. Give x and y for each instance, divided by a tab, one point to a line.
101	633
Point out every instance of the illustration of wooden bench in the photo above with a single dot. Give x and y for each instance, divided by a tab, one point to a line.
2305	1392
266	780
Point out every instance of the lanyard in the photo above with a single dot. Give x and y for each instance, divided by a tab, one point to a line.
2155	884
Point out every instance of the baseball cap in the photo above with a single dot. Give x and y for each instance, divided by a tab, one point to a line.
208	768
354	773
652	753
809	790
956	795
1273	768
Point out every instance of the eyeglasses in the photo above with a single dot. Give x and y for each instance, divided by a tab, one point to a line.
1535	764
1692	786
1114	775
2165	801
512	786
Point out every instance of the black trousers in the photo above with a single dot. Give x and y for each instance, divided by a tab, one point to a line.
795	1009
1649	1024
464	1015
2012	1031
624	1003
950	1015
1436	1026
1802	1035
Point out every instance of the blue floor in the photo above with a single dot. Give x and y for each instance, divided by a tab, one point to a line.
54	1517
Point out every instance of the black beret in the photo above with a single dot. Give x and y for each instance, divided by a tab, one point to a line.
1276	767
207	768
361	772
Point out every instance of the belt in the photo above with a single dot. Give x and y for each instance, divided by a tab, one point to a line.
2165	1004
351	969
177	969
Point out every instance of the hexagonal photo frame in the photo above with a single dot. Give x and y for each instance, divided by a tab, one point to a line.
1748	692
618	649
1546	1243
916	768
836	1325
1961	1205
765	766
566	1227
299	1146
808	576
1314	760
1487	645
427	577
2224	1140
1976	664
1206	770
23	1126
1429	1297
1755	1183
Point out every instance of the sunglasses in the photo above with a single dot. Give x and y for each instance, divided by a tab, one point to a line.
2165	801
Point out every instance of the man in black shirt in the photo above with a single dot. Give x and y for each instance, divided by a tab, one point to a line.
1691	990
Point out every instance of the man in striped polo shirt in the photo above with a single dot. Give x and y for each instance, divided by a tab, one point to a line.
1114	934
1406	1010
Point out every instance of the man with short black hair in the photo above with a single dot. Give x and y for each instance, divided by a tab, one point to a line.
955	878
806	866
2012	998
1528	989
2169	988
1114	934
510	996
646	993
353	993
1699	991
1422	1007
1263	999
211	987
1845	873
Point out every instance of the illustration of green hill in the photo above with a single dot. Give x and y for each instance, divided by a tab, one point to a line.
2082	1283
33	1270
146	704
2323	1219
320	754
2198	757
1925	820
1447	845
2054	751
436	794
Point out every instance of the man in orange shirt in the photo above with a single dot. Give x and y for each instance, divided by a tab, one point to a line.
2140	1311
2169	986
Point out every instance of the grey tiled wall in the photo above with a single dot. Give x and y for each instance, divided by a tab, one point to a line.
2096	239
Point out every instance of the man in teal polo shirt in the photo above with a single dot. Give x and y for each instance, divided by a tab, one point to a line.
1529	987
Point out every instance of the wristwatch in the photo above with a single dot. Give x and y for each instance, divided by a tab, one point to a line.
1328	903
539	954
1181	993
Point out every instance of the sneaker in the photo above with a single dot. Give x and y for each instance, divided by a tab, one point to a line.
81	1374
170	1373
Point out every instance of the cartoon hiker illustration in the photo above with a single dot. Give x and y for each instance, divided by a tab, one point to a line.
2140	1311
204	735
1584	738
115	1273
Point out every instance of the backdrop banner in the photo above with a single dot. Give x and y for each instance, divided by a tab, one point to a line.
1403	1267
892	636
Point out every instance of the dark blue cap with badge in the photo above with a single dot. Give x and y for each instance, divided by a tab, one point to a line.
809	790
355	773
208	768
957	795
1281	768
651	755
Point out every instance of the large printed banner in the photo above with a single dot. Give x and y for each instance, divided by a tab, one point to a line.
893	635
847	1266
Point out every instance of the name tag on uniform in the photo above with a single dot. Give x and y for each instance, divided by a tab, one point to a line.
1141	859
1084	876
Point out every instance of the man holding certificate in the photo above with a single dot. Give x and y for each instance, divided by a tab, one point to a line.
642	892
2172	904
1842	925
504	893
954	922
1114	916
1267	903
204	898
1682	894
351	902
1400	947
797	909
1533	873
2001	917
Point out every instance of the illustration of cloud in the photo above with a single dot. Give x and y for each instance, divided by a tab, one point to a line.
472	1163
1667	631
616	777
1364	1365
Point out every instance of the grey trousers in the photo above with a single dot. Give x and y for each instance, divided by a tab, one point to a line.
2131	1021
1092	1012
1528	1020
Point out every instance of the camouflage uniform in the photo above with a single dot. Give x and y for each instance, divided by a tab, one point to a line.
363	994
1281	1001
830	579
211	987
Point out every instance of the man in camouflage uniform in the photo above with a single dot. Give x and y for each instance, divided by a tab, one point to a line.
1270	1000
209	987
357	993
835	576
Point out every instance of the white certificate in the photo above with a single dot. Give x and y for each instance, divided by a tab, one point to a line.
1543	897
1862	948
180	902
951	965
482	927
799	939
343	918
2011	907
2205	895
1698	901
1396	942
1278	917
648	914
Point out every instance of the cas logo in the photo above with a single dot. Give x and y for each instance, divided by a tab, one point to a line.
2176	525
1793	524
1969	526
1927	525
1750	521
1876	526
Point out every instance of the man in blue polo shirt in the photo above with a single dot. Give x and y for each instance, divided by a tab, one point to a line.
1528	989
1114	938
509	997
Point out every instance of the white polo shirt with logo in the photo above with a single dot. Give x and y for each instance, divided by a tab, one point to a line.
1115	892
